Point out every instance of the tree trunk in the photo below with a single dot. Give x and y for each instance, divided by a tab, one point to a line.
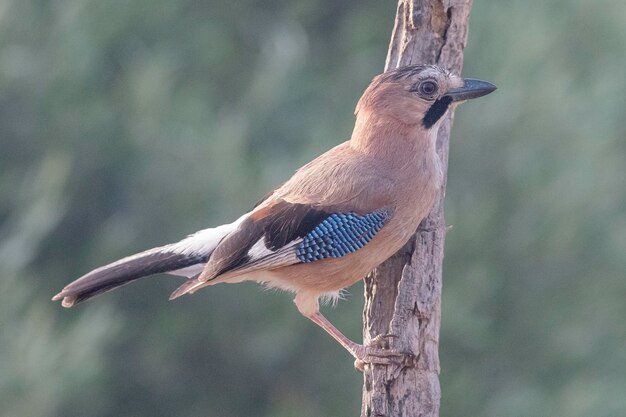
403	295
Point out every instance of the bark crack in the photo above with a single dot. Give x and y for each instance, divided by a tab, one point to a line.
444	35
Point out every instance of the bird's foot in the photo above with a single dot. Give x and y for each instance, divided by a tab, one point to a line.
377	352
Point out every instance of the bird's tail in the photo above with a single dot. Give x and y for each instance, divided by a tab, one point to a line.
185	258
116	274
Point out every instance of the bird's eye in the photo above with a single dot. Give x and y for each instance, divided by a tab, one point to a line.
427	88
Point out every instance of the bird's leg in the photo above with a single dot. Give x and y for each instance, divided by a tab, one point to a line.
371	353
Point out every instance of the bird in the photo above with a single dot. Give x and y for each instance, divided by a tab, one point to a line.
334	220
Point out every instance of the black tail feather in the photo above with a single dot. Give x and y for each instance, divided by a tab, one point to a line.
124	271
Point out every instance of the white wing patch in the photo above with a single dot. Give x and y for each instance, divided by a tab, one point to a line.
261	257
259	250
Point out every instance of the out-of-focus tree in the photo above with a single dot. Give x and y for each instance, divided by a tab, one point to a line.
42	365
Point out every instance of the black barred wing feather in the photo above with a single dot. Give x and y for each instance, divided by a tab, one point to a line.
340	234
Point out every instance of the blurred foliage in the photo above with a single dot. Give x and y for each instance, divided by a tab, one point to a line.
127	124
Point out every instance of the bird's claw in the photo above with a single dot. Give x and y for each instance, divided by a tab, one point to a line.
381	341
376	355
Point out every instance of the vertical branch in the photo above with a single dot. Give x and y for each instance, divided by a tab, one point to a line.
403	295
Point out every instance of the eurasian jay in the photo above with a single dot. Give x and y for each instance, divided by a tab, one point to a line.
335	220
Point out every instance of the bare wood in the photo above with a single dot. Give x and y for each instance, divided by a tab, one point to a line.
403	295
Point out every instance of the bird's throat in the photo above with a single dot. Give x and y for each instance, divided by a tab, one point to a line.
390	140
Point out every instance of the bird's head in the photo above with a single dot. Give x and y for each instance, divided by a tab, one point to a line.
418	94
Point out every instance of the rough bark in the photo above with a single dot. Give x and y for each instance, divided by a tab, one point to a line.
403	295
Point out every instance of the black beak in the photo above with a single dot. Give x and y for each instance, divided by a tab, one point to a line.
472	89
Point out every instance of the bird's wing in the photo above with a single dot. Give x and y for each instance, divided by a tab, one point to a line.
281	233
331	206
341	181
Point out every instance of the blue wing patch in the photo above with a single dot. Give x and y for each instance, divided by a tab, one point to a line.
340	234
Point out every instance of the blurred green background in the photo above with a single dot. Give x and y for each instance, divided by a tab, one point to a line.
129	124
